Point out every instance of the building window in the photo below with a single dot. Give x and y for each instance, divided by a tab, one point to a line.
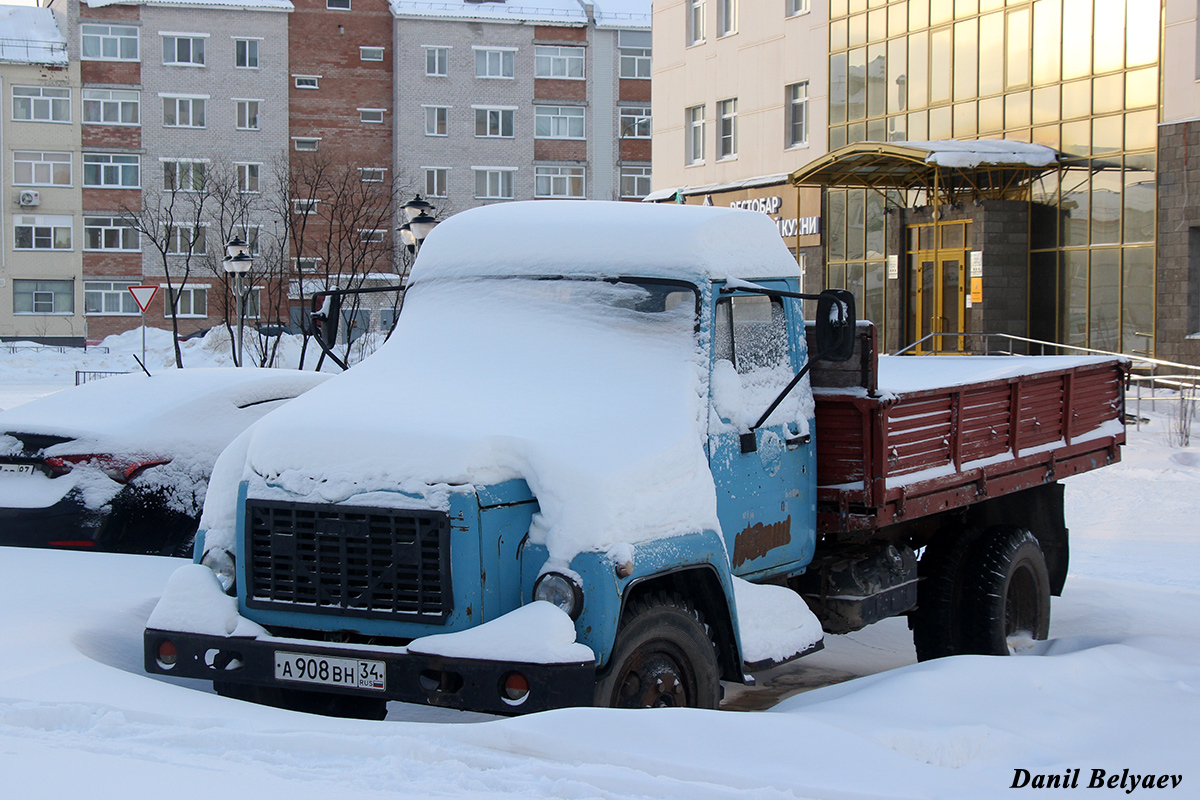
635	182
190	301
109	298
337	5
635	122
33	168
43	297
494	63
249	235
436	180
108	42
41	104
247	177
308	81
558	182
797	114
371	236
727	131
635	53
109	233
558	62
726	17
558	122
112	171
247	115
183	112
437	61
372	174
795	7
42	232
695	142
185	239
183	50
183	175
372	115
306	145
435	120
494	122
245	53
305	206
370	54
493	183
111	107
695	21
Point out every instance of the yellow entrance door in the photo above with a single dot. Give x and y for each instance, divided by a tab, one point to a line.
937	286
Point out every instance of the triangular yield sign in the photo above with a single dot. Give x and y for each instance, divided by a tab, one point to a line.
142	295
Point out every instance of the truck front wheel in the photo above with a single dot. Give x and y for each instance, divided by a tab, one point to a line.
663	657
1006	592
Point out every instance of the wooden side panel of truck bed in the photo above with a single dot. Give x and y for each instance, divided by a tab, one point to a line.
889	457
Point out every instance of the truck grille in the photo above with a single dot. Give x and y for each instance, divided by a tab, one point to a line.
352	562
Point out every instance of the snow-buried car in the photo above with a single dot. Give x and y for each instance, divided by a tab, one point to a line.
589	467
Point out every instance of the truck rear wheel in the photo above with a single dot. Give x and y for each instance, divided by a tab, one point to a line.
663	657
936	624
1006	592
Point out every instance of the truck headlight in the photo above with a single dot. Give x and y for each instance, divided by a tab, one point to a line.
224	566
559	590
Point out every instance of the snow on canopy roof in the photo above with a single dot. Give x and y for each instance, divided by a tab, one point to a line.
603	238
977	152
562	11
30	36
622	14
252	5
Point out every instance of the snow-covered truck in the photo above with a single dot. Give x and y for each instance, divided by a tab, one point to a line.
603	460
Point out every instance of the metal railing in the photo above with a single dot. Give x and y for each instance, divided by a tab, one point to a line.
83	376
12	349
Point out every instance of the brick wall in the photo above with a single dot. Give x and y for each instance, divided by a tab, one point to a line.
559	150
634	90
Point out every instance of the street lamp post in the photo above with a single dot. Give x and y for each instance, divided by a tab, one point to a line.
237	262
420	223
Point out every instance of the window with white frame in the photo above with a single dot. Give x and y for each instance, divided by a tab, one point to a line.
183	175
111	107
109	298
304	145
190	301
245	53
247	114
727	11
635	122
372	115
247	177
42	232
108	42
493	183
436	119
183	49
727	128
371	236
370	54
695	133
372	174
185	239
695	21
36	168
558	182
558	122
634	47
305	206
494	122
437	61
307	81
795	7
112	171
635	181
43	297
337	5
797	114
437	181
494	63
183	111
253	303
41	104
558	62
110	233
249	235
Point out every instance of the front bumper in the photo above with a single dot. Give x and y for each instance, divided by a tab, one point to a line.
466	684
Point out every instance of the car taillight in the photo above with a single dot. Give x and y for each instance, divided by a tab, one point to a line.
121	469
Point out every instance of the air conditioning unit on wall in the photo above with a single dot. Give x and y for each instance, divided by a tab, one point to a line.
29	198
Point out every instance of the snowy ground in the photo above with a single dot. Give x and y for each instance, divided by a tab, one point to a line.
1116	688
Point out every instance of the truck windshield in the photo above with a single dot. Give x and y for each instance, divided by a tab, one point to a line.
643	295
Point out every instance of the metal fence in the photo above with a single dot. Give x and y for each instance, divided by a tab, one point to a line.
83	376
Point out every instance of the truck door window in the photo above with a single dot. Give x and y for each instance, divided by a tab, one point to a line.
751	333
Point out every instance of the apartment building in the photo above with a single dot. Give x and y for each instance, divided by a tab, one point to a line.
41	292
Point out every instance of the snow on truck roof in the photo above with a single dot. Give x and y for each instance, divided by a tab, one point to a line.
601	238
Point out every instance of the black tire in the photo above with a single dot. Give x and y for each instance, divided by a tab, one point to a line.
327	704
663	657
936	623
1006	592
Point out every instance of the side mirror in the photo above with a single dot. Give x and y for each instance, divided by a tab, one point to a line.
835	321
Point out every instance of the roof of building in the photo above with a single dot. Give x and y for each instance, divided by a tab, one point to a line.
30	36
255	5
756	182
607	13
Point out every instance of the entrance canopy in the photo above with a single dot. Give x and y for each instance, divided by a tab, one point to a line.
950	170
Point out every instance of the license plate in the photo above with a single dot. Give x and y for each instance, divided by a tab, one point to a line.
350	673
17	469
